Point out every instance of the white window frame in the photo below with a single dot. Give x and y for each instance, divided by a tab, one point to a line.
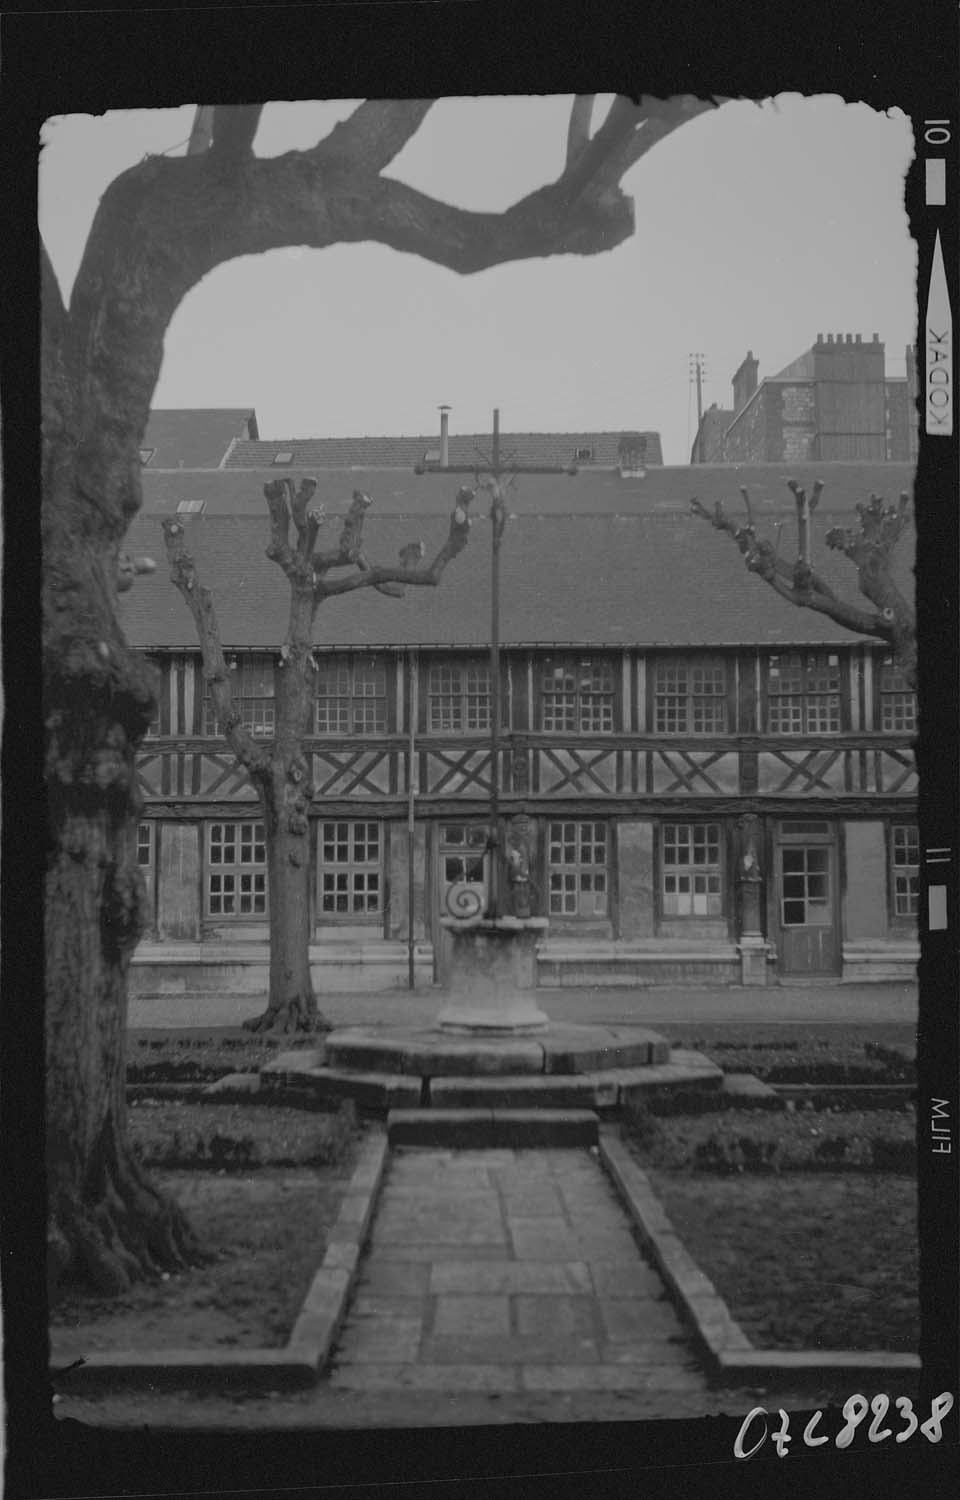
897	700
569	699
805	708
691	887
237	886
359	705
350	870
904	872
578	869
685	689
258	711
458	692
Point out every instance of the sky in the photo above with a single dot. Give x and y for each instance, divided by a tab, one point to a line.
758	227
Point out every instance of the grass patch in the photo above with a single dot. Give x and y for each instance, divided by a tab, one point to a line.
806	1262
271	1229
746	1141
237	1137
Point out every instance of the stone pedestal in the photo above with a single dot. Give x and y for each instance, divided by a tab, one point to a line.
753	959
491	977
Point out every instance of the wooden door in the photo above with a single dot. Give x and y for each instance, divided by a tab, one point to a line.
807	898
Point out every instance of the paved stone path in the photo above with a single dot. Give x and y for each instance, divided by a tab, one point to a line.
508	1271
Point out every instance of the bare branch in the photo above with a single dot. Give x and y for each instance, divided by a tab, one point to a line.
199	600
628	132
279	551
377	131
373	576
894	620
578	131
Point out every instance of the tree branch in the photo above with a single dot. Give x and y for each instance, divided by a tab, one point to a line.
869	548
234	128
377	131
371	575
578	131
199	601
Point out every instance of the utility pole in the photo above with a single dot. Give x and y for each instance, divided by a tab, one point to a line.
496	467
696	371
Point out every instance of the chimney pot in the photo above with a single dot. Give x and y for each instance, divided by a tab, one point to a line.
444	437
849	338
819	338
876	338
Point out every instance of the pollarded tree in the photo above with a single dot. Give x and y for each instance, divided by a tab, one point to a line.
869	547
279	770
159	229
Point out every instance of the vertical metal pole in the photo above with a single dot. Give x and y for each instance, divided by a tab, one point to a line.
493	838
411	780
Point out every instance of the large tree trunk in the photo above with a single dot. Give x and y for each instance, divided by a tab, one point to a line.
107	1223
286	793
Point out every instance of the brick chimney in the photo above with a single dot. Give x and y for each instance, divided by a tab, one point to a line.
444	438
745	381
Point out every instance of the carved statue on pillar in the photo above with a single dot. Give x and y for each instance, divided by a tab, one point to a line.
518	865
750	876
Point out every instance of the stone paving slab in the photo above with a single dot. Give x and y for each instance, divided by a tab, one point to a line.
504	1271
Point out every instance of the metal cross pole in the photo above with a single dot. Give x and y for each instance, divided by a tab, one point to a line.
496	467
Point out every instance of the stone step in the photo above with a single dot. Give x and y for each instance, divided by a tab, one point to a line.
608	1089
565	1049
474	1129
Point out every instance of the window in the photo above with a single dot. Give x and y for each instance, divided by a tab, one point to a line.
190	507
691	870
898	703
805	897
462	847
253	687
803	691
583	455
351	697
236	870
145	845
285	456
690	698
458	697
578	869
905	872
576	697
351	883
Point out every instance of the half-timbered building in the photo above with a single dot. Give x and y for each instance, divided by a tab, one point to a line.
713	786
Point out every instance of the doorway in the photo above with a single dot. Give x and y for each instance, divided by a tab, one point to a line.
806	866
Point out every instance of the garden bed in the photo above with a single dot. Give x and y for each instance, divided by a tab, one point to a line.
268	1227
813	1055
201	1059
738	1141
809	1261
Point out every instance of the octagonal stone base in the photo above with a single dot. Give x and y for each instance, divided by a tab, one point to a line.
491	977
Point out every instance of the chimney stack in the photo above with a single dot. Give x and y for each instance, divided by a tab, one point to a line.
745	381
444	438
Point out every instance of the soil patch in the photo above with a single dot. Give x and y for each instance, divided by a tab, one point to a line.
816	1261
270	1227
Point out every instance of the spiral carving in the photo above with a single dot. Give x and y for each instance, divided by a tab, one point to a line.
464	901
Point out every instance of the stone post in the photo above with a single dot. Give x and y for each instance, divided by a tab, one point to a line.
491	977
751	945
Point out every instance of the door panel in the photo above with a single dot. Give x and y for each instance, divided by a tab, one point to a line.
807	908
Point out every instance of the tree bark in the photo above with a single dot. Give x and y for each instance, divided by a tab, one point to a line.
107	1223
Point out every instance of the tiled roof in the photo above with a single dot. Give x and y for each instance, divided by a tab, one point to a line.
657	578
192	439
405	452
590	492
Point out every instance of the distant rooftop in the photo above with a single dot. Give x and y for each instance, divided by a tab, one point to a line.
192	438
585	449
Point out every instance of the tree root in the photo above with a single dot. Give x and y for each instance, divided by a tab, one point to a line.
296	1015
133	1232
